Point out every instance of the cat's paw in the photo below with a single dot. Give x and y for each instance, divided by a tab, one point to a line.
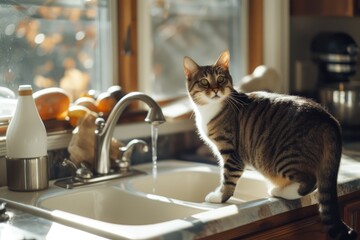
289	192
214	197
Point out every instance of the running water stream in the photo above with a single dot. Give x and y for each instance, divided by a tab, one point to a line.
154	138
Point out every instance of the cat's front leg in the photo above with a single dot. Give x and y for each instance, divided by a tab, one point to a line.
230	174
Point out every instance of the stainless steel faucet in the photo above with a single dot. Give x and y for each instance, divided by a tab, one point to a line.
105	130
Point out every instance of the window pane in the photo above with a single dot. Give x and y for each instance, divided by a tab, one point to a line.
57	43
199	29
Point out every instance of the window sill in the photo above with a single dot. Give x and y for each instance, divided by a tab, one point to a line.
55	126
60	132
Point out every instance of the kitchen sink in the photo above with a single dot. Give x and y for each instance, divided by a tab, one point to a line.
172	193
142	206
193	184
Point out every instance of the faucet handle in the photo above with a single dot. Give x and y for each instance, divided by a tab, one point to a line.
83	172
124	162
100	124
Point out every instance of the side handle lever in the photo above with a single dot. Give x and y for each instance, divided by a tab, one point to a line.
124	161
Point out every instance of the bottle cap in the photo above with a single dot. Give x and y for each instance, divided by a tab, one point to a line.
25	87
25	90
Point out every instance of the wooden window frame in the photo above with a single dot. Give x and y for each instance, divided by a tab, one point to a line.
127	45
256	34
128	62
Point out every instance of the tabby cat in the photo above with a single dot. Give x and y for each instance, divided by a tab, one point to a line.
292	141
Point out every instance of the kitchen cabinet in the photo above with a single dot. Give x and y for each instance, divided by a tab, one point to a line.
308	228
351	214
343	8
298	224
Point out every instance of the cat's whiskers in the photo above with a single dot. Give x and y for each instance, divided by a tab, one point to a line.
195	97
192	115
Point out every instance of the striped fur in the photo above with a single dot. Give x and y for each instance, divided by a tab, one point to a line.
291	140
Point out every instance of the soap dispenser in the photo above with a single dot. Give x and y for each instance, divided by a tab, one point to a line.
26	145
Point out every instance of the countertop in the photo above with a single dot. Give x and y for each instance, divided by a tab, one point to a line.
225	217
23	225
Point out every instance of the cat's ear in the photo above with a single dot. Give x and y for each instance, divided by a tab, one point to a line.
224	60
190	67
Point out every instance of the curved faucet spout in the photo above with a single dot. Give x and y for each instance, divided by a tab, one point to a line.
105	131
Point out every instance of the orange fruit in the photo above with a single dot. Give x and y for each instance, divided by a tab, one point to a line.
105	103
75	113
116	92
88	102
52	103
91	93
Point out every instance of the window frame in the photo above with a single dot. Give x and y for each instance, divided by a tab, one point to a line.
127	45
128	65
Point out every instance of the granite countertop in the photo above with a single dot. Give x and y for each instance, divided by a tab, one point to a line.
219	219
23	225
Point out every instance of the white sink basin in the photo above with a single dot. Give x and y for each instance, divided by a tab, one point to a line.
190	186
193	184
113	205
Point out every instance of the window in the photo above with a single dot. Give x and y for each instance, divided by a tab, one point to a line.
58	43
52	43
172	29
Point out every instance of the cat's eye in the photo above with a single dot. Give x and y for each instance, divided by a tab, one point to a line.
204	82
221	79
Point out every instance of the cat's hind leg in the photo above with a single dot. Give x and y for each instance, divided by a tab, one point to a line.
289	192
293	186
307	183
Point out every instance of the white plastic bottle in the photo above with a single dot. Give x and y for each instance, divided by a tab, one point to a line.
26	144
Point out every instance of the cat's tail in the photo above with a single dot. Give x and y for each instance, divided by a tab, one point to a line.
327	191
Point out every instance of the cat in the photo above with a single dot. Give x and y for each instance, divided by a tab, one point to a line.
292	141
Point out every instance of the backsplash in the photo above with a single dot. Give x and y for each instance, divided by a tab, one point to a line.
179	146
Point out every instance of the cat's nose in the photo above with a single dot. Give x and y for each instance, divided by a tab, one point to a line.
215	90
